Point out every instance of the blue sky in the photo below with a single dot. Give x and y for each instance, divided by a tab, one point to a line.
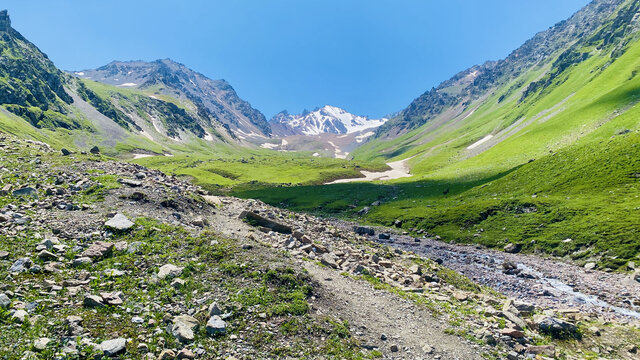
371	57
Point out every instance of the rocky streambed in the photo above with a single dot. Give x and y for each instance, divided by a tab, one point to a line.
547	283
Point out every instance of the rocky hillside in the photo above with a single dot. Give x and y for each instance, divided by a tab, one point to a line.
325	120
216	98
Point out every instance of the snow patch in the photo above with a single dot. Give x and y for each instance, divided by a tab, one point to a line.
360	138
128	84
399	169
479	142
269	146
80	73
208	136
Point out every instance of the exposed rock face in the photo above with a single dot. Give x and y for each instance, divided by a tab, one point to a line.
5	21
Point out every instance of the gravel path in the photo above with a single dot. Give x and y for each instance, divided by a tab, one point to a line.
377	314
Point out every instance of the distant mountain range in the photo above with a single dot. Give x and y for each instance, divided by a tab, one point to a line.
325	120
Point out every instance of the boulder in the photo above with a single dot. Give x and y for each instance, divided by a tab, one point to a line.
362	230
256	220
555	327
119	223
95	150
113	347
183	328
25	191
98	250
65	152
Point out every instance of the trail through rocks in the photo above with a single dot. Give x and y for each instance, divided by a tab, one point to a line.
378	314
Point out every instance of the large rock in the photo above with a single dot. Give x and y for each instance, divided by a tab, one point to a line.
119	223
361	230
555	327
98	249
169	271
329	260
21	265
256	220
183	328
113	347
216	325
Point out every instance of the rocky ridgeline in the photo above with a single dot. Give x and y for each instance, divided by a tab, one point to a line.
107	259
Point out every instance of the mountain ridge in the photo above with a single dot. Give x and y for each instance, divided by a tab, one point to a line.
167	77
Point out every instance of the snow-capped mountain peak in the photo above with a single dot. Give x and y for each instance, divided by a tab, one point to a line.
327	119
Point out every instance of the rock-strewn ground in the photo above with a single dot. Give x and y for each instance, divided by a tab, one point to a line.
107	259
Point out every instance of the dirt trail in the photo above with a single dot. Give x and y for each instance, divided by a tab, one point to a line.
399	169
379	313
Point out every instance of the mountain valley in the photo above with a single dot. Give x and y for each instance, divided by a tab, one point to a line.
147	211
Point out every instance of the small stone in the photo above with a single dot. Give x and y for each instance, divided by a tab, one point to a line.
99	249
394	348
81	261
216	325
186	354
20	316
590	265
41	343
214	309
516	334
46	255
177	283
119	223
93	301
4	301
167	355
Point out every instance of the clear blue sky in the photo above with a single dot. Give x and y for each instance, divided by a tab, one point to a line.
371	57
